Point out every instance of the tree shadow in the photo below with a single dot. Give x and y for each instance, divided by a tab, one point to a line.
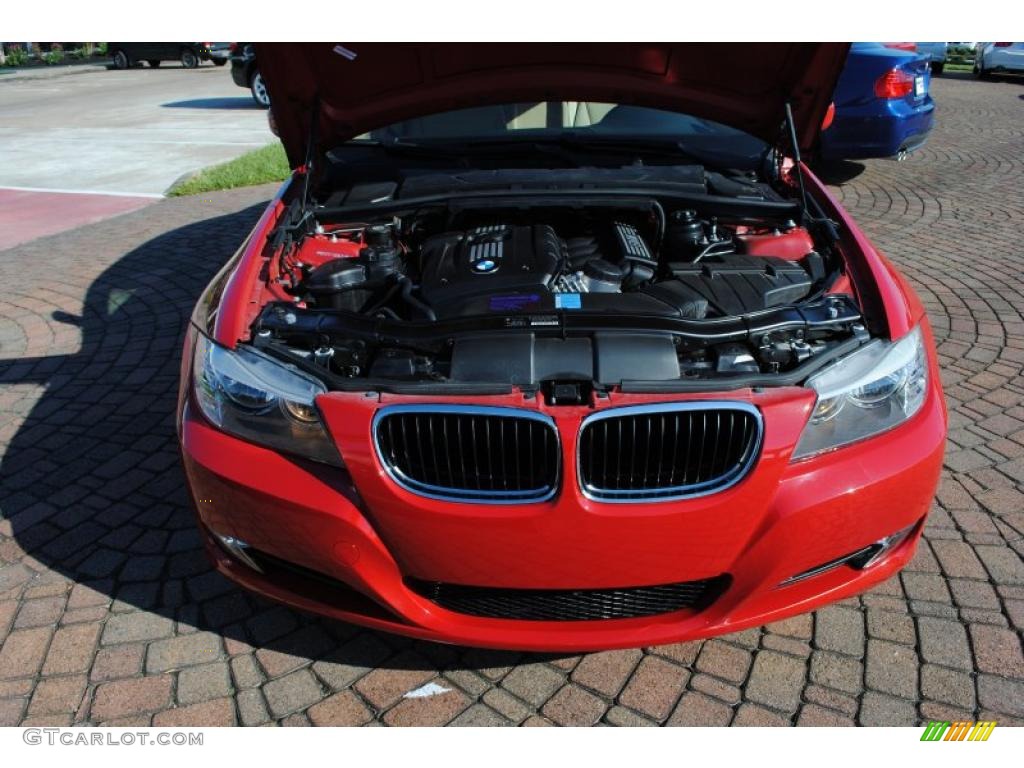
91	481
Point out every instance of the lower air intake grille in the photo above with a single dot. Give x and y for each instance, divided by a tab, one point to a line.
467	453
667	451
572	604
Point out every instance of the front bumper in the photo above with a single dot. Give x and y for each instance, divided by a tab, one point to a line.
358	539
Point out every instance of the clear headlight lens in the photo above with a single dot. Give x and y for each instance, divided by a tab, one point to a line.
256	398
874	389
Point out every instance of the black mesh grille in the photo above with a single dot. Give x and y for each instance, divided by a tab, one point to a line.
572	604
666	451
488	454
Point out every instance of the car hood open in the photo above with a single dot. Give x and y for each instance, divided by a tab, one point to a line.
362	86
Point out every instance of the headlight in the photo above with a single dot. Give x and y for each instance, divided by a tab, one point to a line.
874	389
252	396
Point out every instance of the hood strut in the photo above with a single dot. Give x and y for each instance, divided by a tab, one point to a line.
314	121
791	126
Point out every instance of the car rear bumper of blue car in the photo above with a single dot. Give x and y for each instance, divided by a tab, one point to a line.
877	129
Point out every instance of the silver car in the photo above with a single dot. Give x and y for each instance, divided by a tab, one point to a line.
995	58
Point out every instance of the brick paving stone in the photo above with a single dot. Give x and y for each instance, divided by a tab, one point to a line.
608	671
776	680
438	709
39	612
840	629
506	705
245	673
926	586
947	685
252	710
58	694
880	709
698	709
681	653
117	662
477	716
343	708
893	627
997	650
384	686
218	713
71	649
958	559
974	594
836	671
129	697
292	693
944	642
724	660
997	694
788	645
534	683
712	686
831	699
182	651
204	682
11	711
23	652
135	627
352	660
800	627
813	715
654	688
753	715
1004	565
891	668
573	705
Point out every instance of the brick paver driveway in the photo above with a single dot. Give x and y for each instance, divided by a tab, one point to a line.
110	614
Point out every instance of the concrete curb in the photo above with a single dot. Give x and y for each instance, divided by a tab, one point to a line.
50	73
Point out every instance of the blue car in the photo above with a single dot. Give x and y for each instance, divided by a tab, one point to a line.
882	104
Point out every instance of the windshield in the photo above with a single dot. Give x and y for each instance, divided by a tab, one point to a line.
575	120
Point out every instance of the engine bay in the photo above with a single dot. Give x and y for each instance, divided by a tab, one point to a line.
563	296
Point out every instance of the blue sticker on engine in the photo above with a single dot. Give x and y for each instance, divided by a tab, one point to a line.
568	301
512	303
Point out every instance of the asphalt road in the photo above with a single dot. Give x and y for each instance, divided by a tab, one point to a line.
128	132
82	144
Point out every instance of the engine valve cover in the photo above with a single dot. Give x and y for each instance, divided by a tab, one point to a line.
498	259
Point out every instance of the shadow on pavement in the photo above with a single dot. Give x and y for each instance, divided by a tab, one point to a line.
91	481
837	172
220	102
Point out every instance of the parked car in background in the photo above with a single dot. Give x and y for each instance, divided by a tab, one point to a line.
936	55
508	363
998	58
125	55
219	53
882	104
246	73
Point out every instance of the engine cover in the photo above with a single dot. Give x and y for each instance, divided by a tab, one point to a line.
459	267
736	285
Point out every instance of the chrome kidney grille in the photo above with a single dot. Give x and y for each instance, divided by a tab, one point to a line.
667	451
469	453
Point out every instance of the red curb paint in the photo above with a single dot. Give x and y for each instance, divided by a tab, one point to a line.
26	215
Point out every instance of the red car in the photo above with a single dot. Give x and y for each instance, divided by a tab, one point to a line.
558	347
